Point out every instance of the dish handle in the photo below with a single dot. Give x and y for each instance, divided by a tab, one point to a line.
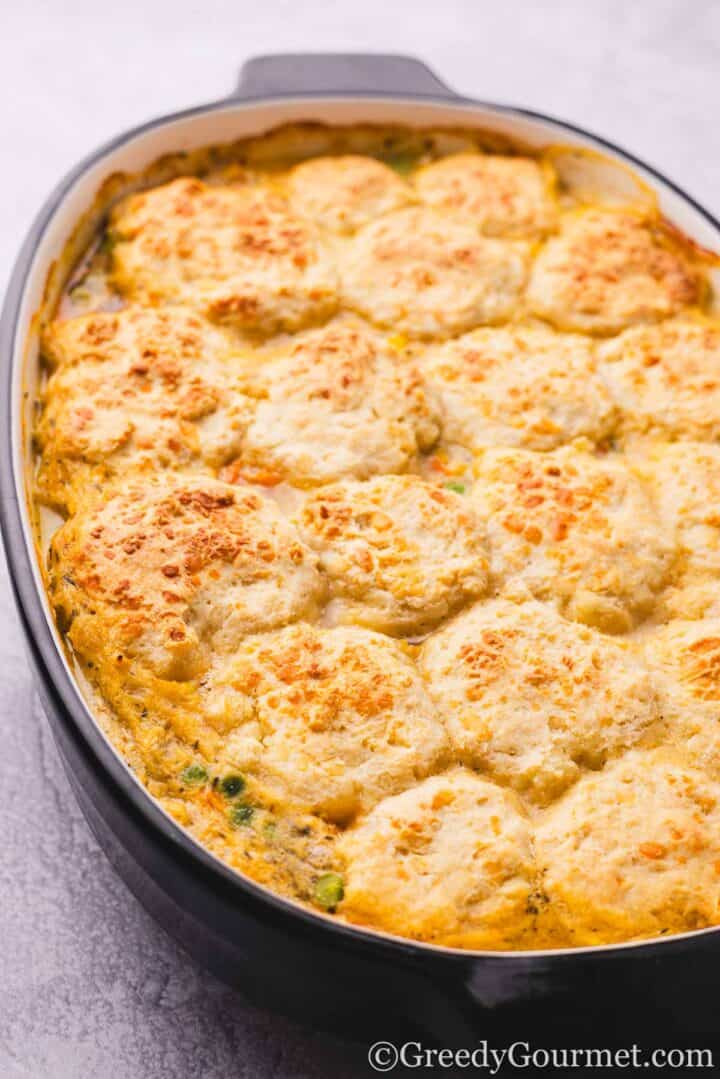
291	74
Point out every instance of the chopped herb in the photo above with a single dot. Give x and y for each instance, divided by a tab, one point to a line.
108	241
458	488
329	890
401	163
194	775
241	813
231	786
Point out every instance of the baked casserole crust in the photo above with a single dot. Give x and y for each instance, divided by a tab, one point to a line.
379	477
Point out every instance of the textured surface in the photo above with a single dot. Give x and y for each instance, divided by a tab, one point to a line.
90	985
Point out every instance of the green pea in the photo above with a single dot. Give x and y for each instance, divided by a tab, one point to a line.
458	488
240	814
231	786
194	775
329	890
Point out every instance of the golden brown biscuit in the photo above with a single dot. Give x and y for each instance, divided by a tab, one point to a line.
608	270
400	553
170	573
686	657
519	386
338	403
418	272
449	862
504	196
345	192
574	528
534	700
634	851
331	719
666	378
685	480
136	390
237	254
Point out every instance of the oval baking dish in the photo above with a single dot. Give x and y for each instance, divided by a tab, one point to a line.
326	972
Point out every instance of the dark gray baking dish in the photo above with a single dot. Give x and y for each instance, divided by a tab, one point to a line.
319	971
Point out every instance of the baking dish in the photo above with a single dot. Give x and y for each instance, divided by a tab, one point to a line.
325	973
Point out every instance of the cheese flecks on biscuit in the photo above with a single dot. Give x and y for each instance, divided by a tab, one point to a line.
685	480
400	553
533	700
170	573
607	270
237	254
345	192
332	719
576	529
503	196
633	851
450	862
424	275
519	386
666	378
136	390
685	654
339	403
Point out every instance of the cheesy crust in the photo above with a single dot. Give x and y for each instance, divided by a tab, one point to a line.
684	478
633	851
502	196
178	570
607	270
426	275
519	386
686	655
237	254
334	719
666	378
338	403
450	861
343	193
136	390
400	553
534	701
388	470
579	530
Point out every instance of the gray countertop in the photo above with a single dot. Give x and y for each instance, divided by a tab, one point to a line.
89	986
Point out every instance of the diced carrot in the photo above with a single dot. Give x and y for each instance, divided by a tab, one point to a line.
238	472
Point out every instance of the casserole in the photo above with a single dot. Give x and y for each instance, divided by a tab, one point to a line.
282	954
